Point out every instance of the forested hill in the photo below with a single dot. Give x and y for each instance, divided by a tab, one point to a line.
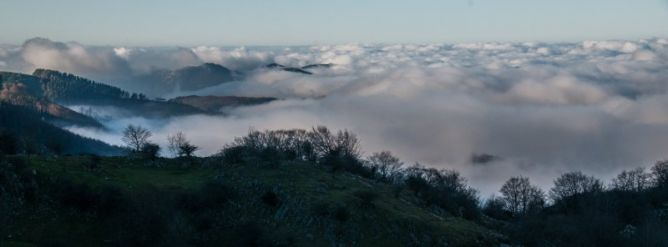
68	89
23	131
64	87
26	91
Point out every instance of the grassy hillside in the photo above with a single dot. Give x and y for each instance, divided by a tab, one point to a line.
92	201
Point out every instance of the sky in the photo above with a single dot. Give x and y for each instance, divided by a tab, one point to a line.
313	22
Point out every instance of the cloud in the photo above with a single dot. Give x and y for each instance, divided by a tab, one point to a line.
545	108
235	59
72	57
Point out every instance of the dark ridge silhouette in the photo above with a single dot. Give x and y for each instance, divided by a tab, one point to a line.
23	129
288	69
190	78
216	103
26	91
318	66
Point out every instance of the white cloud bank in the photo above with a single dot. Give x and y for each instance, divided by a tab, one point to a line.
544	108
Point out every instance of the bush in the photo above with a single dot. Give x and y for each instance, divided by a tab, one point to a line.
321	209
366	198
271	199
211	196
277	145
18	184
446	189
234	155
9	144
150	151
341	213
496	208
103	201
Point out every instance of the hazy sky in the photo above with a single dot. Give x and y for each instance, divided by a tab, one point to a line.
295	22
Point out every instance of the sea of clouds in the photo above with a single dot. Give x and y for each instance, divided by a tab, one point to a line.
543	108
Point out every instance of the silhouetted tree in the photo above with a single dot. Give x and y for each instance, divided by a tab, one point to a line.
385	165
660	173
180	146
521	197
324	141
150	151
495	207
135	137
635	180
574	183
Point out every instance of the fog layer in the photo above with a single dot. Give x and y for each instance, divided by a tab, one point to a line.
543	108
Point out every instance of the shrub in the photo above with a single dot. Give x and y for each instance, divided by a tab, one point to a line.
234	154
341	213
496	208
446	189
321	209
366	198
271	199
150	151
211	196
385	165
276	145
9	144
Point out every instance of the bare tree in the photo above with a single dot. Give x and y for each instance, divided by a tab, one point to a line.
385	164
173	142
348	144
660	173
136	137
632	180
325	142
180	146
322	140
574	183
521	197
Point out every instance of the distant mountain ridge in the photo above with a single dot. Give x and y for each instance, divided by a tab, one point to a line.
216	103
189	78
301	70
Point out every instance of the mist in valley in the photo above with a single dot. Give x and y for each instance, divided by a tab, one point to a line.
541	109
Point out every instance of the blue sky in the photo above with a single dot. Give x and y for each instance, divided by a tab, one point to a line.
303	22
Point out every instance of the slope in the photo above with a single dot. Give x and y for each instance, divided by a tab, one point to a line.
206	203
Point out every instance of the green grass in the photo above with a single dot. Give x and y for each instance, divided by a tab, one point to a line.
300	186
316	184
122	172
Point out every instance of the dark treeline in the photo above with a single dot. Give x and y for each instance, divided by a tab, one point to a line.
631	211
